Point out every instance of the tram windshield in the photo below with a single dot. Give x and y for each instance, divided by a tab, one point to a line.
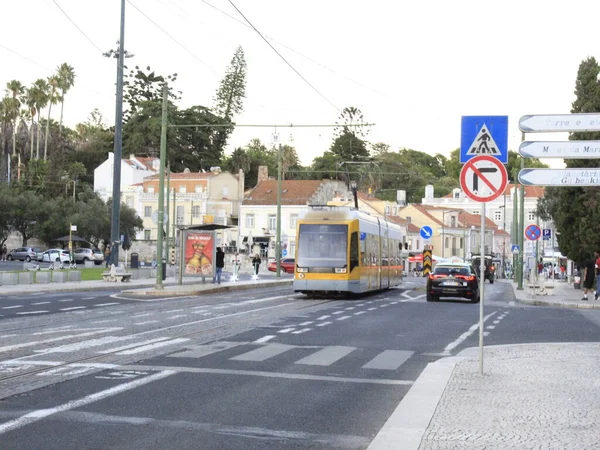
322	246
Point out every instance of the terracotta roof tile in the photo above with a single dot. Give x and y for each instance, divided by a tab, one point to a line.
293	192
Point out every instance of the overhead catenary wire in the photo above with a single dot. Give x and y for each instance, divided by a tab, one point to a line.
76	26
172	38
358	83
283	58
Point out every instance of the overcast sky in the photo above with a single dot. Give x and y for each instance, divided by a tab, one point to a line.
412	67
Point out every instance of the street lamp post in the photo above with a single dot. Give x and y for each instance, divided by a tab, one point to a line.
116	192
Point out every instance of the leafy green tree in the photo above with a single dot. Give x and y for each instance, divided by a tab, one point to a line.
230	96
326	166
349	143
141	86
576	210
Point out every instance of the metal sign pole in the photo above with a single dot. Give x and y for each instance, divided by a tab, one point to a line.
481	286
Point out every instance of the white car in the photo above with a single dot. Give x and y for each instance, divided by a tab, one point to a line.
56	255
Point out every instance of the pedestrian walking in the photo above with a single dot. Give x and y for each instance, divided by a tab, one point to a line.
588	278
219	264
3	252
256	264
597	269
107	254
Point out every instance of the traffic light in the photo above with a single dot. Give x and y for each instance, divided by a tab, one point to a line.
406	246
126	242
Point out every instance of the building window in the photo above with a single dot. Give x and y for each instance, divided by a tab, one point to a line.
225	191
475	213
497	215
150	190
461	243
182	189
395	211
418	245
199	189
249	220
147	235
195	211
147	211
530	215
452	221
180	214
129	201
272	223
293	221
446	241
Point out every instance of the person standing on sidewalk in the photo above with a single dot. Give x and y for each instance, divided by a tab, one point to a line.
588	278
597	267
219	264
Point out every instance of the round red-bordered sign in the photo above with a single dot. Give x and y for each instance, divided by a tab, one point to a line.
483	178
533	232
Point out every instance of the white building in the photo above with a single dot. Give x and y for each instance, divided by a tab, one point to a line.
133	171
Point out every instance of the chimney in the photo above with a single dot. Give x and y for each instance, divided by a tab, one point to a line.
429	191
401	197
263	173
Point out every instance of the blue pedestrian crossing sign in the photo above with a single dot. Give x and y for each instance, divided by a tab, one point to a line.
484	135
515	248
426	232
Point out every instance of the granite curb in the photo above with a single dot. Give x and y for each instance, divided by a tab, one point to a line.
209	289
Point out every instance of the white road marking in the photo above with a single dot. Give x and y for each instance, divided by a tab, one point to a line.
486	333
490	327
146	322
202	313
263	353
303	324
62	338
371	309
106	304
395	303
358	313
31	312
72	308
264	339
12	307
322	324
173	310
338	312
143	315
66	300
88	298
286	330
67	348
343	317
388	360
350	308
303	330
104	321
136	344
152	346
43	413
466	334
384	305
40	303
177	316
326	356
8	335
496	322
323	317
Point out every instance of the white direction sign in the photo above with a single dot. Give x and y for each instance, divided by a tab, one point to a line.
560	122
560	149
483	178
560	177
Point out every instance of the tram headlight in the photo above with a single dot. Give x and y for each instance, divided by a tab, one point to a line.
300	275
340	270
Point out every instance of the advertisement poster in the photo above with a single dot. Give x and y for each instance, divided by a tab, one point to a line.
198	256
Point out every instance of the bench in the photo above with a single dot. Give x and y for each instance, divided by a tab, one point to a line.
116	274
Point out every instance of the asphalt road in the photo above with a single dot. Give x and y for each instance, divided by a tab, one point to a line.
248	370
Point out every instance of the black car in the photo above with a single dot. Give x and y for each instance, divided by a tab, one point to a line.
489	270
453	280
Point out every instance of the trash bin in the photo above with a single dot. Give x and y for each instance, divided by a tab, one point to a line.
135	260
164	269
577	283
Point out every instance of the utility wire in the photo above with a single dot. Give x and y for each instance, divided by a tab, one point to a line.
281	56
358	83
75	25
173	39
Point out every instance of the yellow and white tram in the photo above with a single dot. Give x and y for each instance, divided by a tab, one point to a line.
342	250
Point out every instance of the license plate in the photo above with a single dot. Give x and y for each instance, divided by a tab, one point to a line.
450	283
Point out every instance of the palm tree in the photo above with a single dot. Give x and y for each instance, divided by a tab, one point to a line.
66	77
41	97
54	85
16	89
29	100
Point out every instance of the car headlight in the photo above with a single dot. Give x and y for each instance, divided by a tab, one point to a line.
340	270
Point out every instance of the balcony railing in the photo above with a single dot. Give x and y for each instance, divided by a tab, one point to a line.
178	196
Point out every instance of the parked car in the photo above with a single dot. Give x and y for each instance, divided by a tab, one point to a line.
288	265
23	254
453	280
88	254
56	255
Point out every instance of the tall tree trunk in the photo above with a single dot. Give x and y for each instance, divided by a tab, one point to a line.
14	138
62	107
47	130
32	135
37	144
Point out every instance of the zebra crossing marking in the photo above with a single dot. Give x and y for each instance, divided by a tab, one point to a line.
263	353
326	356
388	360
